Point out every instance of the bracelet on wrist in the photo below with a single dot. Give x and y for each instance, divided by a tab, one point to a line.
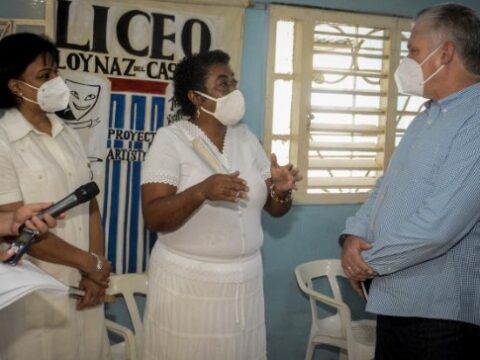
284	199
99	266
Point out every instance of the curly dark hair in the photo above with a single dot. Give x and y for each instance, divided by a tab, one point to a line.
191	73
17	52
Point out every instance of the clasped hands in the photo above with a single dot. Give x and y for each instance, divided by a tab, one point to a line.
94	282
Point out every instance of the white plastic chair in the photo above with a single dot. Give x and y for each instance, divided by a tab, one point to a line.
356	339
127	285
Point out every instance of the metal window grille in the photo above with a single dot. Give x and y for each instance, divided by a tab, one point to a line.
332	104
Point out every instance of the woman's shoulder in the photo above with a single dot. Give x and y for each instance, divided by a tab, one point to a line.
168	131
243	133
5	143
168	136
9	117
13	125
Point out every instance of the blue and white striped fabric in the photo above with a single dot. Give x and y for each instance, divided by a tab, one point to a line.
423	217
128	241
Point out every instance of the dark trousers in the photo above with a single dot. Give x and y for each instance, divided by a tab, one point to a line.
413	338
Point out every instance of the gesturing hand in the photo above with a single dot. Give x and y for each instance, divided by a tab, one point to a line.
284	178
222	187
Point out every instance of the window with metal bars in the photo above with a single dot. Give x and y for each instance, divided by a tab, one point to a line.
332	104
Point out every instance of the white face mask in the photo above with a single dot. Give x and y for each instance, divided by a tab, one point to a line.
409	75
52	95
229	109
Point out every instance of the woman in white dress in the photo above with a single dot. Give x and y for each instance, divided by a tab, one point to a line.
205	182
42	160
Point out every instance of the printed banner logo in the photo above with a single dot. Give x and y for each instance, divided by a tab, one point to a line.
83	98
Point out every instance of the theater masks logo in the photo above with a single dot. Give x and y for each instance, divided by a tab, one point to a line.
81	111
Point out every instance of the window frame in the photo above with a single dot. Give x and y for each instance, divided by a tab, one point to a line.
304	22
47	23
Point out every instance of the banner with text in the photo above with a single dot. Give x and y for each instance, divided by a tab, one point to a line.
118	60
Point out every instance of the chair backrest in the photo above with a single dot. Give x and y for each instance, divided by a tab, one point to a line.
127	285
331	269
339	330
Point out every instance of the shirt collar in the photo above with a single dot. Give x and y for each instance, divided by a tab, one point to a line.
17	127
459	98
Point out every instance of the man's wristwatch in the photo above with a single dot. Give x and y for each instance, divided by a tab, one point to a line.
342	238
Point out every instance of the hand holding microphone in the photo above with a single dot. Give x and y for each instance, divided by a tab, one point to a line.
27	236
26	216
83	194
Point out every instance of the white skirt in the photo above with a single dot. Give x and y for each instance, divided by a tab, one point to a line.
199	310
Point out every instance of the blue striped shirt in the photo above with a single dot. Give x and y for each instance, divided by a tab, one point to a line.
423	217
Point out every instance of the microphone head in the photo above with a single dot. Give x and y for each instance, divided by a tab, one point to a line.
87	192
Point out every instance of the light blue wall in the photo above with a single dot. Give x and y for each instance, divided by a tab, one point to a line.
24	9
307	232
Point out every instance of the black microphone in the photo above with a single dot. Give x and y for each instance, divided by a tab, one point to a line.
27	236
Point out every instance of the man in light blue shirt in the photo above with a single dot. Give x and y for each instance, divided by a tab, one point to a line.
418	234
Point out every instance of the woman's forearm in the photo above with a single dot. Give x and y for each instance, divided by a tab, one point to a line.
53	249
277	204
97	240
168	213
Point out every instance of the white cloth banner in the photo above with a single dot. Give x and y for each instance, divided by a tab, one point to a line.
135	46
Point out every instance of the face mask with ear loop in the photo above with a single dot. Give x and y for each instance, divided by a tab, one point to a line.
409	75
229	109
53	95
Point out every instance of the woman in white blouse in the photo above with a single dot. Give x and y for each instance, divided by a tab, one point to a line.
42	160
205	181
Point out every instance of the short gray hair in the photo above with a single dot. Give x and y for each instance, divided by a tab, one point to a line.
458	24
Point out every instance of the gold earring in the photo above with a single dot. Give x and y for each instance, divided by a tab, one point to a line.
198	113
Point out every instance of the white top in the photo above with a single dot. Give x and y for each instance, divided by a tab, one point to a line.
217	230
36	167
